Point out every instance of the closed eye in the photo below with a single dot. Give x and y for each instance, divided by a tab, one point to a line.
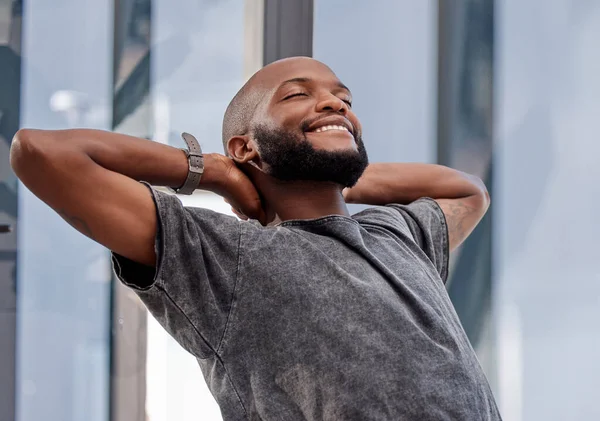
293	95
347	101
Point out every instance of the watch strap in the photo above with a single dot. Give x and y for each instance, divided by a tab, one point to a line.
196	165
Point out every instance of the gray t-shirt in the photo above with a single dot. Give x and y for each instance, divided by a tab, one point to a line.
335	318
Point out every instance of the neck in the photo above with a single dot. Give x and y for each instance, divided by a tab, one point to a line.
303	200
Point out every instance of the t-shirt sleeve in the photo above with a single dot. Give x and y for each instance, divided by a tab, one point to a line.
427	224
190	291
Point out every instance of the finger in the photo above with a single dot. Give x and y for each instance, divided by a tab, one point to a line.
239	214
242	195
246	201
254	210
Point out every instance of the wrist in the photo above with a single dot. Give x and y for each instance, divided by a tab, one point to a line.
210	176
217	169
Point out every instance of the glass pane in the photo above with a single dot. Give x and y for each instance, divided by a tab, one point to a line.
197	66
10	93
385	51
468	74
465	136
132	115
63	277
546	217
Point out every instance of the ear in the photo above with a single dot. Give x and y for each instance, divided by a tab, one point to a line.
242	149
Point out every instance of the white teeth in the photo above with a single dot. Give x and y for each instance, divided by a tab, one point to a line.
332	127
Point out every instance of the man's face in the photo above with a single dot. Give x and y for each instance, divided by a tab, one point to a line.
307	130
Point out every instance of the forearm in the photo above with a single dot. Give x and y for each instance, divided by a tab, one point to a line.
384	183
139	159
89	178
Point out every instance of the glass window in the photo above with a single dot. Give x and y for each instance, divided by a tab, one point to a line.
10	93
197	67
385	51
63	293
547	281
465	142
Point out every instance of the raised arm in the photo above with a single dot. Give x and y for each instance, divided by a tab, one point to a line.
463	197
90	178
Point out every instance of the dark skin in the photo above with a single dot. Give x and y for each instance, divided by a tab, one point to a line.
315	92
297	89
87	176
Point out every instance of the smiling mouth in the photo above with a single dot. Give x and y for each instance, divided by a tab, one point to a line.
330	128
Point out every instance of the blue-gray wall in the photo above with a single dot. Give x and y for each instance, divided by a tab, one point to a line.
63	304
385	51
10	75
546	231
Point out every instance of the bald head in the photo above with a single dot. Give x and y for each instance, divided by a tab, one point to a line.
240	111
243	106
296	116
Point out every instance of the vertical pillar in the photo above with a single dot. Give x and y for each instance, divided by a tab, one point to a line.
465	110
288	29
10	88
131	115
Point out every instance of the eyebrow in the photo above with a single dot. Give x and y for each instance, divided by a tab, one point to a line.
308	80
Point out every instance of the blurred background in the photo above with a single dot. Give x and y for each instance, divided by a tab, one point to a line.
506	89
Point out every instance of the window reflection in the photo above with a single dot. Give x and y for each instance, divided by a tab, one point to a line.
465	143
385	52
10	75
63	300
197	66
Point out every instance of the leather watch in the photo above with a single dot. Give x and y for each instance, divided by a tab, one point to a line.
196	165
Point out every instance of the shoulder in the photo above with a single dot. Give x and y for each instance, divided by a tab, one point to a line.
403	217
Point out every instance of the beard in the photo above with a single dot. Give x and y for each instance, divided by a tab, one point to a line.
291	157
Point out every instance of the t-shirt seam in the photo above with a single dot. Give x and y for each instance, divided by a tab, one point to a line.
318	221
160	259
382	230
409	247
443	274
160	284
423	267
233	293
304	237
189	321
445	238
229	321
237	395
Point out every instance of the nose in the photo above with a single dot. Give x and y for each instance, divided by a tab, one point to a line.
331	103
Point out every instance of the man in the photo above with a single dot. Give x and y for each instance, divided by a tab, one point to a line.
302	312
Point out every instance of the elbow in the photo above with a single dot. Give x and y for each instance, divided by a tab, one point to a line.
469	185
27	147
488	199
483	194
478	189
21	148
